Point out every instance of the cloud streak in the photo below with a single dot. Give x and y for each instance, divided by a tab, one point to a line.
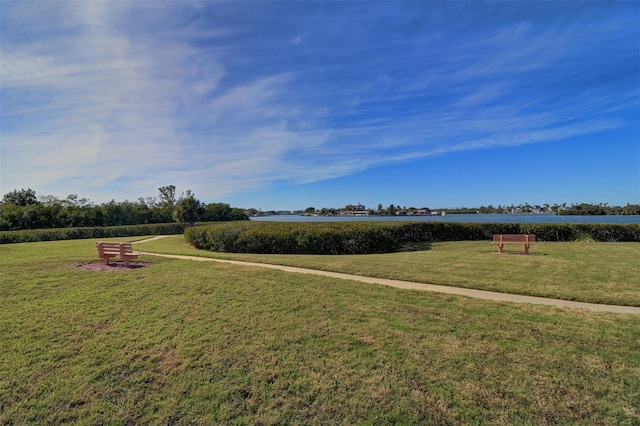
114	99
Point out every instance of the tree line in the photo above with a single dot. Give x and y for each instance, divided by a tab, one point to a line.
601	209
23	209
561	209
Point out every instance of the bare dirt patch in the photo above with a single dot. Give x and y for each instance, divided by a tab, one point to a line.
112	266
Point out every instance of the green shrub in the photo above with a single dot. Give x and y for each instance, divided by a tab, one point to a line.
297	238
55	234
584	238
378	237
571	231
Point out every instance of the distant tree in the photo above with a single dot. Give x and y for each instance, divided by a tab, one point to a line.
72	200
327	211
188	209
216	212
151	202
631	209
49	200
310	210
587	210
238	214
23	197
167	196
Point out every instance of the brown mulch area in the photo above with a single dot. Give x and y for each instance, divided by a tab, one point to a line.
112	266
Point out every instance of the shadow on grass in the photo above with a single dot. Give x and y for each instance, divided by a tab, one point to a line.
416	246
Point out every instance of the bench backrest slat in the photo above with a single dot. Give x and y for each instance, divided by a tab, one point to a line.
514	238
121	248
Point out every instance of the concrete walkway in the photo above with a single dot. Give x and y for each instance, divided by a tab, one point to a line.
478	294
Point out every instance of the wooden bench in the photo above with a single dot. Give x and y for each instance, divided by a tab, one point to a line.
108	250
502	239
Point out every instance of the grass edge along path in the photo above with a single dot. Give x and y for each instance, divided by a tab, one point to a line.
477	294
601	273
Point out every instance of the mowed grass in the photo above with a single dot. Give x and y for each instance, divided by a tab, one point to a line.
183	342
581	271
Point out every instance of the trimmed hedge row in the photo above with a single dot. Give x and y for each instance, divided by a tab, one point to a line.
36	235
287	237
297	238
448	231
380	237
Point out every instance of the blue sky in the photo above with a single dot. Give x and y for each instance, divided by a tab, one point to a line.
286	105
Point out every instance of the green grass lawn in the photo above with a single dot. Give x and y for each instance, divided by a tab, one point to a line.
581	271
183	342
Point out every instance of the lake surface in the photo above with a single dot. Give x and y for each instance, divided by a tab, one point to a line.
474	218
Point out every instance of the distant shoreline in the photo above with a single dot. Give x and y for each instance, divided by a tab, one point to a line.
465	217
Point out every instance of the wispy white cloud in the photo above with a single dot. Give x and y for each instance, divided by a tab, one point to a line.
102	104
114	99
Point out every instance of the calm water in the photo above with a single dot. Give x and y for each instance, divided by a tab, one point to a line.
477	218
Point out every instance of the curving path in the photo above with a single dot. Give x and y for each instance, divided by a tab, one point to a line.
478	294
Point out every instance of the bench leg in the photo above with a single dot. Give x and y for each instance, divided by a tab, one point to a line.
125	260
106	260
500	248
526	249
